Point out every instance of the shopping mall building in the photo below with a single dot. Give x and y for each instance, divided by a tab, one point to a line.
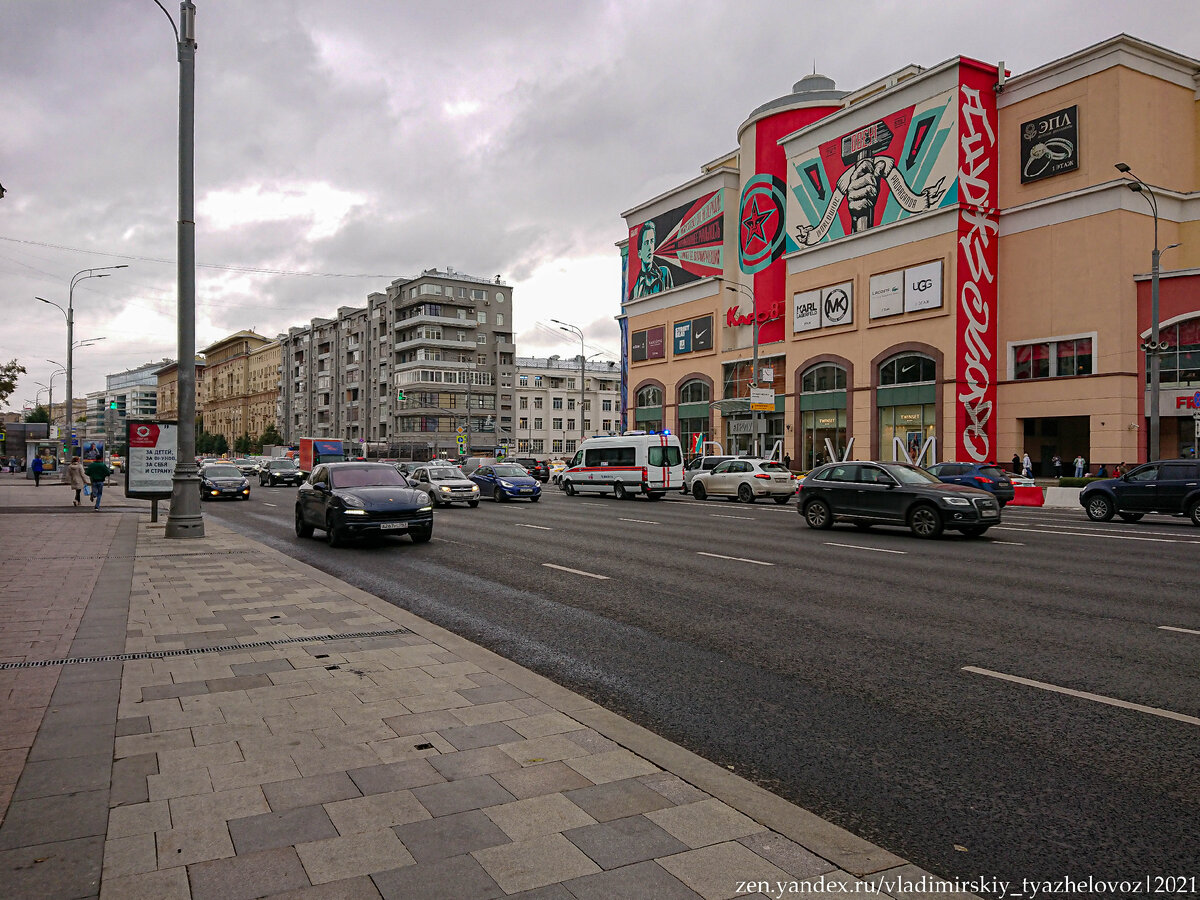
943	264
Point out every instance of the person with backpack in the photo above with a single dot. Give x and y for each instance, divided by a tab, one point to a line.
98	471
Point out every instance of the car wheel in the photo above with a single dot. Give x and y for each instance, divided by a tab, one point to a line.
1099	508
818	515
1194	513
472	503
619	492
421	535
1131	517
245	496
568	488
497	494
303	529
699	492
974	531
333	534
925	521
745	493
535	499
783	500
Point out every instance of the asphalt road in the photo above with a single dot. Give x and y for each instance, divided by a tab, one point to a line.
831	667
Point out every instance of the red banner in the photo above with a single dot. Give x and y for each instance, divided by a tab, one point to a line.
975	288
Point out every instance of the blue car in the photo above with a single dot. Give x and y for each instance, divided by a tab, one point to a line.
506	481
986	476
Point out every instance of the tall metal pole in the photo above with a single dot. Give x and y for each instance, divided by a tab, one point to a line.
184	519
576	330
754	366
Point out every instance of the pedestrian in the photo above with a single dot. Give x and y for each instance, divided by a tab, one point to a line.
1102	472
38	466
1016	464
98	471
1026	465
1080	466
77	477
1121	469
1056	460
787	461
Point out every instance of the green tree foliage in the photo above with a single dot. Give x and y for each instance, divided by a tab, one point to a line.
40	414
243	443
9	373
270	436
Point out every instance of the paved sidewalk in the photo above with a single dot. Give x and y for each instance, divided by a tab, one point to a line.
242	725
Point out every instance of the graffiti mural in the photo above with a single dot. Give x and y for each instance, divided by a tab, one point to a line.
898	166
677	247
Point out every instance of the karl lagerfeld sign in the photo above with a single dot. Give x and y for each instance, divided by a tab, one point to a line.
1050	145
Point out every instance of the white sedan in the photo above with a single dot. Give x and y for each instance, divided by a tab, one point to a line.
745	480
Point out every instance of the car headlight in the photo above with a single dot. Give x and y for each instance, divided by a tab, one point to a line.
245	483
506	484
957	501
444	488
352	502
474	489
354	512
425	509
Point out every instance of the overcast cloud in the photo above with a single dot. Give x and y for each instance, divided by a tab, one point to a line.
384	137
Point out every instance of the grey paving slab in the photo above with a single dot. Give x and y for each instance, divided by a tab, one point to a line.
450	835
47	820
388	777
280	829
63	870
459	796
623	842
706	822
471	763
353	855
536	863
617	799
549	892
165	691
673	788
51	777
72	693
547	778
193	843
646	879
472	737
715	871
422	723
454	878
312	791
108	670
66	741
788	855
261	668
523	820
375	811
133	725
361	888
164	884
76	714
248	876
492	692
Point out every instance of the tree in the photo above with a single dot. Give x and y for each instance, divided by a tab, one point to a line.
40	414
242	443
219	444
9	373
271	436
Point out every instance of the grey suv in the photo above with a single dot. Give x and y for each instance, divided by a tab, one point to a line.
1170	486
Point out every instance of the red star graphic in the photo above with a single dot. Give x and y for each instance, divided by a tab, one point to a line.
754	222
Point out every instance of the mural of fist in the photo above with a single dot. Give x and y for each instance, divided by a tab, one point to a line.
863	191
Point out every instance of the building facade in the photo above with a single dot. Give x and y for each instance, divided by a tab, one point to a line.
554	414
398	376
168	390
132	394
238	393
943	264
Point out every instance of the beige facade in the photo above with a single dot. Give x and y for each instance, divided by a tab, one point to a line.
1070	305
240	388
168	391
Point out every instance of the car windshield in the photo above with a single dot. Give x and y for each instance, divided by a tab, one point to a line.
279	464
222	472
444	474
366	476
510	471
775	467
911	475
992	472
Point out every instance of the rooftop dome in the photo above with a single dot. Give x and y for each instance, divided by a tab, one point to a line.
809	89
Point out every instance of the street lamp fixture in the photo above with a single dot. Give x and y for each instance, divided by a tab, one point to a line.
1154	347
576	330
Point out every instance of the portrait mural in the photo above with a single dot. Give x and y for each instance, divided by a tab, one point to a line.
676	247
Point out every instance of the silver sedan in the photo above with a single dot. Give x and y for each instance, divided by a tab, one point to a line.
444	484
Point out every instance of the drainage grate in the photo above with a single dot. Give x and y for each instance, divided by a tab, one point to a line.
188	651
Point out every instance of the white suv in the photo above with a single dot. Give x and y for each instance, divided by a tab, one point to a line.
745	480
698	465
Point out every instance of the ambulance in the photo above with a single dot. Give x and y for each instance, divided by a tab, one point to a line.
625	466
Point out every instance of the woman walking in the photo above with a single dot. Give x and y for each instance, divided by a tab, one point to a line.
76	476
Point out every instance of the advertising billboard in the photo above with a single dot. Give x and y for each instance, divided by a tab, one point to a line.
153	452
1050	145
676	247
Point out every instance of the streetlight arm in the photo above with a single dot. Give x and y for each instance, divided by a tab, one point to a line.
52	303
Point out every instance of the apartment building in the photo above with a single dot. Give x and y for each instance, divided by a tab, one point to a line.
559	404
168	389
237	394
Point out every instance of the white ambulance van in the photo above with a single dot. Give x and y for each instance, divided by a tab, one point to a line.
626	465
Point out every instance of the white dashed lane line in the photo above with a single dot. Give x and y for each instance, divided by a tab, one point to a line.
576	571
757	562
743	518
538	527
638	521
1174	628
860	547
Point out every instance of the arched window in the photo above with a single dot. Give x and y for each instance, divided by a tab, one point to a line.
824	377
649	396
1180	364
907	368
695	392
822	413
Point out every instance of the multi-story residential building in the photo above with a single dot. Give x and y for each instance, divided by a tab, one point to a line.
399	374
947	264
237	394
553	415
168	390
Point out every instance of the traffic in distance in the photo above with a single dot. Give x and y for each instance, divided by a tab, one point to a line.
349	498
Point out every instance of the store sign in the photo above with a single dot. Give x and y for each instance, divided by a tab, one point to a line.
975	288
923	287
806	311
837	304
656	342
702	333
637	346
153	452
887	294
683	337
762	399
825	419
1050	145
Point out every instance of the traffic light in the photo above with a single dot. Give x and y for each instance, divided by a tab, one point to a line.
399	395
112	404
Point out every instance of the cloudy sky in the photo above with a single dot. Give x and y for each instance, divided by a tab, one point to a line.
343	143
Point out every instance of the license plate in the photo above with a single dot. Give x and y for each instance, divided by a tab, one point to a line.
393	524
782	479
526	490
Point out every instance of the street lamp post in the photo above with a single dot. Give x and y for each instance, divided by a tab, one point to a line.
184	519
1154	347
576	330
735	287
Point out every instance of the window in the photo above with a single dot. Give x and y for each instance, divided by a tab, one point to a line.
557	446
556	424
825	377
570	384
539	445
499	318
523	403
587	405
570	403
481	359
499	297
481	316
537	380
537	424
570	424
1179	364
537	402
523	423
692	392
609	456
557	403
477	294
649	396
587	424
606	405
1052	359
523	380
911	368
607	425
481	337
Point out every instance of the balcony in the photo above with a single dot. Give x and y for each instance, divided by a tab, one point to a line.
451	321
440	343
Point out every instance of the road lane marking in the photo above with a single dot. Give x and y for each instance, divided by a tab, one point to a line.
1007	543
538	527
743	518
1101	534
639	521
756	562
265	503
1173	628
861	547
1084	695
575	571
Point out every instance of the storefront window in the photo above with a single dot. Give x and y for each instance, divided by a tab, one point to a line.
695	392
912	425
909	369
823	414
1180	365
648	414
649	396
826	377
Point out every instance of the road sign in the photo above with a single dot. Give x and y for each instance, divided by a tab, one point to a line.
461	430
762	399
1198	429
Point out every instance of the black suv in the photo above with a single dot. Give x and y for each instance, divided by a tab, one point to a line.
279	471
1170	486
884	493
537	468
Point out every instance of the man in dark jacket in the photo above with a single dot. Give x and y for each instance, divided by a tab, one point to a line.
37	467
97	471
